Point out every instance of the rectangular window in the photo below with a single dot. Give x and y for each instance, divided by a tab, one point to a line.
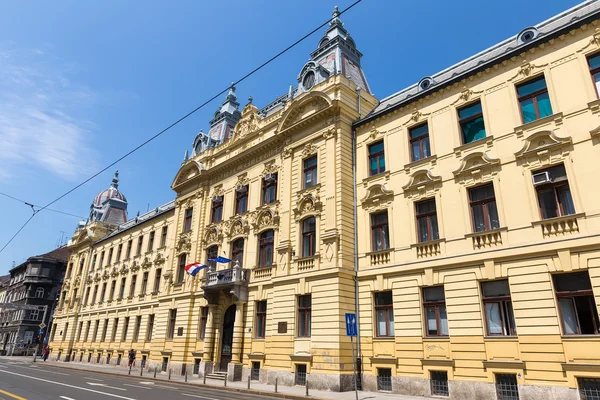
104	330
136	328
151	241
93	296
119	250
216	214
87	331
261	319
506	387
150	327
471	123
310	172
384	379
65	331
171	326
94	262
427	223
101	260
269	188
483	208
79	331
110	256
157	277
187	223
553	192
129	247
384	308
196	370
181	268
144	283
113	334
439	383
132	285
255	372
434	303
203	320
304	315
376	158
125	329
68	274
241	199
594	63
300	378
87	296
96	326
113	285
103	292
139	245
589	388
309	237
265	248
122	290
163	236
380	231
534	100
576	303
499	318
419	142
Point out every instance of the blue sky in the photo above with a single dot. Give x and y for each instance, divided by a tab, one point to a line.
81	83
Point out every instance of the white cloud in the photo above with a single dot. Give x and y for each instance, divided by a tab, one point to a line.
38	128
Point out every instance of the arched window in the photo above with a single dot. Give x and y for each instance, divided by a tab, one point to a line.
265	248
211	253
309	239
237	251
39	292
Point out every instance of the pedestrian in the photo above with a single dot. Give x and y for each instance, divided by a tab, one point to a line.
131	356
46	352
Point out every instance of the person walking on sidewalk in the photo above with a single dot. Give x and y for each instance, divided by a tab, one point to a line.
46	353
131	358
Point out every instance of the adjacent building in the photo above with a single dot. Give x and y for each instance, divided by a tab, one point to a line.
29	300
471	256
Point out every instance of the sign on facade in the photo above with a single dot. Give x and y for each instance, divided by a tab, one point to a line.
350	324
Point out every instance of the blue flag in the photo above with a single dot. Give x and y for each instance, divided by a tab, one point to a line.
220	259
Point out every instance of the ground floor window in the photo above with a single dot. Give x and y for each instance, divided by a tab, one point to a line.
90	357
301	374
107	359
439	383
119	356
98	358
506	387
384	379
255	371
165	364
144	361
196	370
81	357
589	388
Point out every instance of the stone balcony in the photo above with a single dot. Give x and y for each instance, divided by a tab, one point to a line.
232	281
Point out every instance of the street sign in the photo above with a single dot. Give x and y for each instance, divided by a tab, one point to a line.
42	325
350	324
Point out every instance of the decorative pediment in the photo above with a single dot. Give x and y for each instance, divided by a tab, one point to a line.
270	168
97	277
307	204
184	244
377	197
159	259
188	172
306	107
66	284
242	180
135	266
308	150
246	126
114	272
267	218
238	226
543	148
213	235
218	192
105	275
476	167
527	69
146	263
421	182
415	117
124	270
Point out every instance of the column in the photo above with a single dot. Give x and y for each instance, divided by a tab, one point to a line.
238	332
209	334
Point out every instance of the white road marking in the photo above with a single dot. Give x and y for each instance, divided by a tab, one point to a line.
93	379
137	386
67	385
66	398
147	383
200	397
42	369
104	385
3	366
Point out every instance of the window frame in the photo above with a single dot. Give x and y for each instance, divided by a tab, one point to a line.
261	320
140	244
237	252
304	312
465	120
382	230
150	245
150	326
505	302
187	219
427	215
419	139
181	263
171	324
216	210
436	304
378	157
555	188
484	203
309	235
593	71
163	236
203	322
266	187
241	200
263	248
212	252
310	169
532	96
387	308
157	279
571	294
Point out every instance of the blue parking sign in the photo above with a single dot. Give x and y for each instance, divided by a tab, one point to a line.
350	324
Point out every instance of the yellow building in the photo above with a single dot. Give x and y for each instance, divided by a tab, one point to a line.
475	273
481	271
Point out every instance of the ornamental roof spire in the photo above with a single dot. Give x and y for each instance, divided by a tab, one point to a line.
115	180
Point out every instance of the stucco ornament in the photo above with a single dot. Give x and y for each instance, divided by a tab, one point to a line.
309	149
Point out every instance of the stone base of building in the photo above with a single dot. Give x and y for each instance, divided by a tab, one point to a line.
331	382
404	385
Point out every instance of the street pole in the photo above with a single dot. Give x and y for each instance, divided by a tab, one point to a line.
354	367
37	347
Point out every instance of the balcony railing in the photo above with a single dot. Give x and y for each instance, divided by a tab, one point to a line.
428	249
263	272
235	275
486	239
307	263
380	257
559	226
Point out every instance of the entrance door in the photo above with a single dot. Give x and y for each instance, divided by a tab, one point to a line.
227	339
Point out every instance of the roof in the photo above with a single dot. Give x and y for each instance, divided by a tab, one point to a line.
542	32
60	254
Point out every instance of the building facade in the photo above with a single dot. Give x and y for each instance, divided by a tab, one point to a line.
466	239
29	300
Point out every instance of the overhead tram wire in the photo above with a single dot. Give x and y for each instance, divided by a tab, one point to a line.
270	60
33	206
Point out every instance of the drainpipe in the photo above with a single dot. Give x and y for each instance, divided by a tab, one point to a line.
358	348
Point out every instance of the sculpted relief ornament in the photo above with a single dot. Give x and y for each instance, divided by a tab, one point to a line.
422	184
377	197
246	126
267	218
543	148
307	204
309	149
477	167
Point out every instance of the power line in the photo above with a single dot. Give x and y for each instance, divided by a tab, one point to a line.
184	117
33	206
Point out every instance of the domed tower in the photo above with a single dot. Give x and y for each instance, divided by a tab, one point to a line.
110	205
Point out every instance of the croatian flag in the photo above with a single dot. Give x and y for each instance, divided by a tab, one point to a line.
194	268
220	259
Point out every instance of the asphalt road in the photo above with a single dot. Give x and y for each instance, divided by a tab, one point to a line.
23	380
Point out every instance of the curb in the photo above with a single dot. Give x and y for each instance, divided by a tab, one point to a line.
227	388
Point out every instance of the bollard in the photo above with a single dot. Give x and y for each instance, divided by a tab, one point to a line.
129	373
142	371
155	372
204	378
225	381
275	384
169	374
306	384
186	376
248	381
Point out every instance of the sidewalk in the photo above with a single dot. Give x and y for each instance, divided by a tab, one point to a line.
255	387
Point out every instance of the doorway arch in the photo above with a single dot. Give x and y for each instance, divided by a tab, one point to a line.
227	338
